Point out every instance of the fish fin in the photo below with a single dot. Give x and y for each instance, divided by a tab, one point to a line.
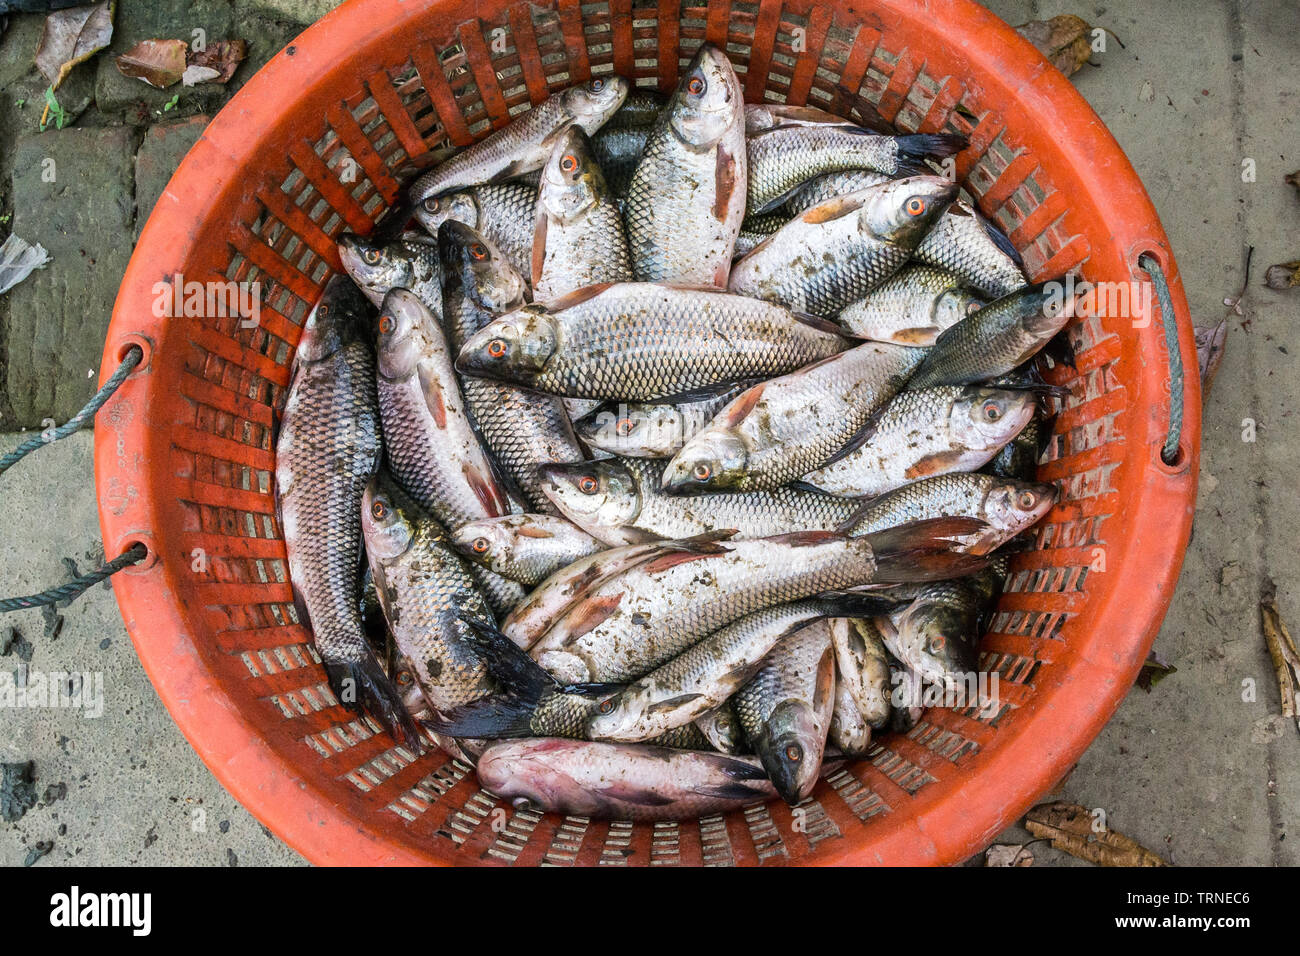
488	491
835	208
740	407
530	531
670	559
1045	431
805	486
578	296
926	550
300	605
855	604
1000	239
395	221
725	180
741	770
362	685
507	662
860	438
1060	350
672	703
940	463
589	613
518	168
625	792
865	112
497	717
697	394
805	539
818	323
916	148
731	791
539	246
431	389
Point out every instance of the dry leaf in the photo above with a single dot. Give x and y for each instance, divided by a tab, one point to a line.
198	74
224	57
159	63
1210	342
71	37
1069	827
1008	854
1153	671
1064	40
1282	651
1284	276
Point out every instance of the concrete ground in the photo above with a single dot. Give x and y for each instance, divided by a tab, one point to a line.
1198	769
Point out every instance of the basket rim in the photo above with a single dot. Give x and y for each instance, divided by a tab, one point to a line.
1032	753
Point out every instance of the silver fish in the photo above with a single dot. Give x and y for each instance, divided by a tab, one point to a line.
912	307
523	145
503	213
527	548
687	198
406	263
849	730
788	426
328	447
862	664
649	429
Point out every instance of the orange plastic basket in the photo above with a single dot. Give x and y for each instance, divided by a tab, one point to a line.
313	146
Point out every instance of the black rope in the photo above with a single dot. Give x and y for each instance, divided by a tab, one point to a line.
1169	453
74	588
134	554
82	418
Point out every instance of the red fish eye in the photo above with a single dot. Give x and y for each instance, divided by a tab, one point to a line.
431	204
386	324
404	679
607	705
937	644
794	753
624	426
480	545
569	163
322	310
496	348
695	86
588	485
379	510
992	412
597	85
478	251
915	206
1027	499
702	472
370	255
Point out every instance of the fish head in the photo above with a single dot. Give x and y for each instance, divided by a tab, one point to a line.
571	179
489	278
338	319
988	418
619	714
592	103
722	729
377	267
903	210
633	428
405	334
519	772
601	497
954	305
714	460
1012	506
708	100
790	748
489	541
385	526
433	211
1046	307
515	347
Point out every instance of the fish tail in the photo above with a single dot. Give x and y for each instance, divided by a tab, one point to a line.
1002	241
363	685
914	149
863	112
507	663
926	550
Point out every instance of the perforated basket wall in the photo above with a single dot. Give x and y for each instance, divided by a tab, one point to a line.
317	144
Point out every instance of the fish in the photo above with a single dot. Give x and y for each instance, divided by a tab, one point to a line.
1019	458
523	429
755	230
836	253
523	145
643	617
432	449
578	239
789	426
785	156
765	116
619	781
998	338
409	262
849	730
503	213
326	451
862	666
428	596
527	548
618	144
1006	506
620	501
640	341
687	197
927	432
649	429
912	307
704	676
937	635
720	729
785	710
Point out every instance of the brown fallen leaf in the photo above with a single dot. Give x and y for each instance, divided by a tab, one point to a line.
223	56
1008	854
1069	827
73	36
159	63
1283	276
1153	671
1210	342
1064	40
1282	651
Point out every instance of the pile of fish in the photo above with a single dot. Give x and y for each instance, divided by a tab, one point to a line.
680	436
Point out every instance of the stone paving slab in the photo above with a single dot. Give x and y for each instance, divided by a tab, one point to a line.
161	151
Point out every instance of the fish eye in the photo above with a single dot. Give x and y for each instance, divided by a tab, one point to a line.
478	251
569	163
624	426
588	485
607	705
431	204
701	472
695	86
992	411
371	256
386	324
480	545
794	753
521	803
378	510
1028	499
496	348
937	644
322	310
915	206
404	678
597	85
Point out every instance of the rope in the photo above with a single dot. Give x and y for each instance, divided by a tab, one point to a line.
1169	453
74	588
133	555
79	420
